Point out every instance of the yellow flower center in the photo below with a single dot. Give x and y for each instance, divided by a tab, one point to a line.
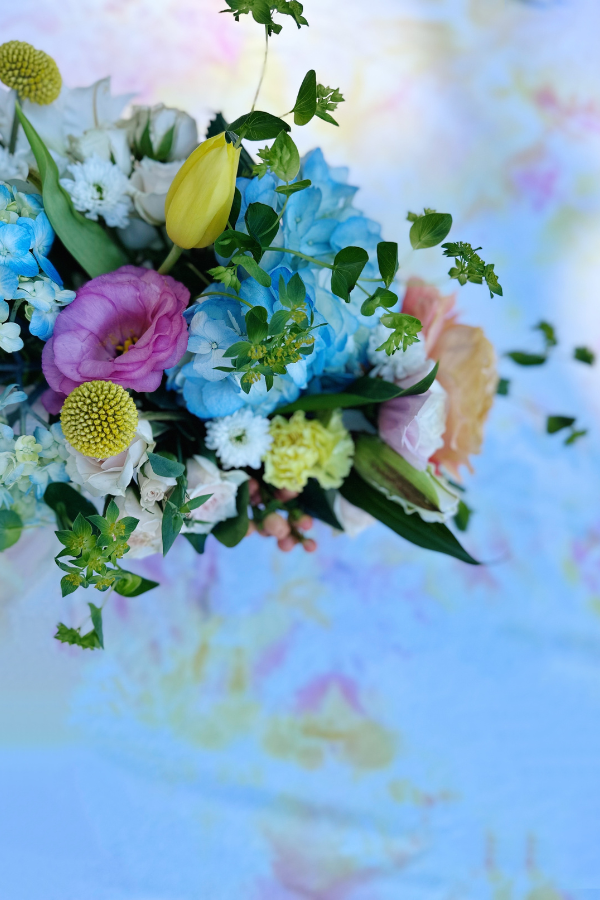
31	73
127	344
99	419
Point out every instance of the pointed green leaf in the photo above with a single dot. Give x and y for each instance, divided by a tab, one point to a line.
348	264
258	126
387	258
232	531
96	614
165	467
305	106
430	230
11	527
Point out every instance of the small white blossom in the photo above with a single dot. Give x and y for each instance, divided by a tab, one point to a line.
99	188
153	487
10	332
241	439
13	165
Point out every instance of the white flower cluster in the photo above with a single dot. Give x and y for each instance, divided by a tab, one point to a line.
113	168
29	462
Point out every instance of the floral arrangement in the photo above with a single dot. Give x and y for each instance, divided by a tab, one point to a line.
201	339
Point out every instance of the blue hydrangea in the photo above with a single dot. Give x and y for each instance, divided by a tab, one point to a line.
45	300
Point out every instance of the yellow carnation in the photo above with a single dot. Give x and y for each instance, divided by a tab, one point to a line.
304	449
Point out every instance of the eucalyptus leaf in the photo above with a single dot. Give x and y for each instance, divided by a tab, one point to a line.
87	241
164	467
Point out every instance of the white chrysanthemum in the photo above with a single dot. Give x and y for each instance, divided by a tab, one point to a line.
13	165
401	364
99	188
241	439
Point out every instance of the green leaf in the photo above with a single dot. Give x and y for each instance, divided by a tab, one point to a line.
232	531
574	436
197	541
164	148
462	517
321	114
67	503
348	264
557	423
70	583
253	269
87	241
172	524
240	348
381	298
405	331
305	106
584	355
314	501
89	641
231	241
289	189
262	223
387	258
429	535
527	359
11	527
235	208
96	614
363	392
256	324
278	321
548	332
165	467
258	126
503	388
430	230
133	585
197	502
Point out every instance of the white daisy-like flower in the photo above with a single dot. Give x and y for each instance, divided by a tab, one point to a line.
241	439
13	165
99	188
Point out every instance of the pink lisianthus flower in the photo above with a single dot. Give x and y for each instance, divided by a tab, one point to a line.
433	309
414	425
126	327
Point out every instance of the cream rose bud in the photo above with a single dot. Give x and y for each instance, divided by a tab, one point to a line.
147	537
113	475
110	144
150	183
206	478
153	487
160	119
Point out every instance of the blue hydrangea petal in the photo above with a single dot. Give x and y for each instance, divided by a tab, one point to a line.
9	283
209	400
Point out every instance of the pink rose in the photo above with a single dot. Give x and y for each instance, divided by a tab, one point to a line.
126	327
432	308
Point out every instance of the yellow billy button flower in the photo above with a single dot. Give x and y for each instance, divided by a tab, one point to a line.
201	195
99	419
31	73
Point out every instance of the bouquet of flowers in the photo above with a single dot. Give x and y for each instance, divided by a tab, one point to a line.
200	339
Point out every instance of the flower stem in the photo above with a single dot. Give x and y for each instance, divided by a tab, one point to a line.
174	254
301	255
198	273
223	294
15	309
12	144
264	67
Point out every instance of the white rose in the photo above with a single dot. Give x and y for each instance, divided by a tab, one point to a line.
153	487
352	519
150	183
147	537
109	144
206	478
111	476
161	119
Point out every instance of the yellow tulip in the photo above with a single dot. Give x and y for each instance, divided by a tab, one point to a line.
200	198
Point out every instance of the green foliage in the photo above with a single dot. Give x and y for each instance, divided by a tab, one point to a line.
231	241
262	11
11	528
144	146
197	541
305	106
429	229
381	298
130	585
574	436
96	614
470	267
89	641
67	503
406	328
347	267
289	189
253	269
503	388
314	501
231	531
282	158
548	332
584	355
258	126
165	465
559	423
463	516
87	241
328	100
262	223
430	535
175	511
387	259
523	358
363	392
273	345
227	275
235	208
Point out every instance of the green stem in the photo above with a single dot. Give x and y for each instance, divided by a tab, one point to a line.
162	416
198	273
12	144
264	67
280	216
361	288
301	255
223	294
174	254
15	309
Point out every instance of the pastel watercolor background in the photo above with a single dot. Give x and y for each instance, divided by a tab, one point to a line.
370	722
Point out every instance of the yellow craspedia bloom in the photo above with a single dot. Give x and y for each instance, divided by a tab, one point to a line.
99	419
201	195
304	449
31	73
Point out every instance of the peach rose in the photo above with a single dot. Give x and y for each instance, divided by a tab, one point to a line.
432	308
468	374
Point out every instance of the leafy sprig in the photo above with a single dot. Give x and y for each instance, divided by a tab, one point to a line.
469	266
262	12
406	328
